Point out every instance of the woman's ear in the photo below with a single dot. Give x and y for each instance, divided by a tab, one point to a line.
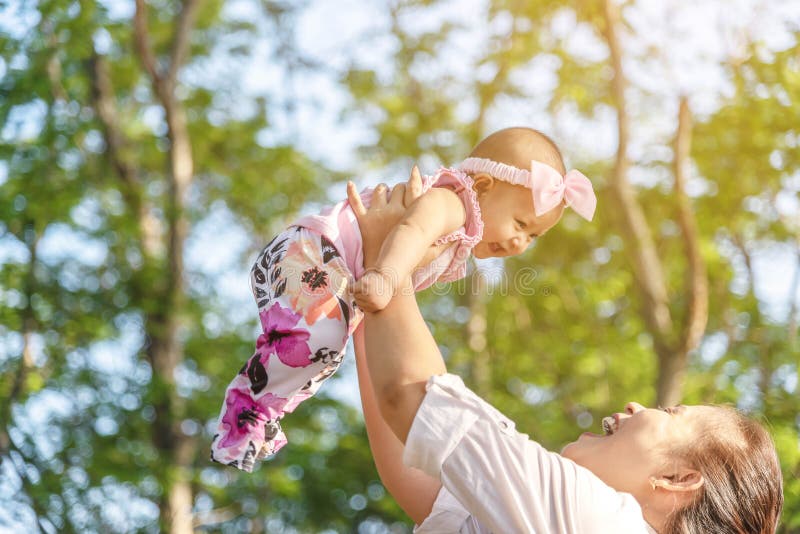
684	480
482	183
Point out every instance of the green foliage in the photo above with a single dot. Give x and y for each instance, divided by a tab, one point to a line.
83	313
566	339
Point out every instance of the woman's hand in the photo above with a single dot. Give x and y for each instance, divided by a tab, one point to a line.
384	212
375	289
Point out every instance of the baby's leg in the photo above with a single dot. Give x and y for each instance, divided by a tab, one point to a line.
301	286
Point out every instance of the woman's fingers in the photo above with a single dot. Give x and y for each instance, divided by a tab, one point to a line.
413	188
397	196
355	200
402	195
379	196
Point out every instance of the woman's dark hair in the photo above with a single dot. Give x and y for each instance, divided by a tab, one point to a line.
742	493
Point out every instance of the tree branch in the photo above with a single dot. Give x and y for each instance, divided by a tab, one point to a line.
697	316
142	43
648	271
104	103
180	45
738	241
103	100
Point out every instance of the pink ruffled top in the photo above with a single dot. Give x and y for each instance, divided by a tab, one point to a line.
338	223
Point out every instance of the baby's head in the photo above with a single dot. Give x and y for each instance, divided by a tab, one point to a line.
510	169
518	146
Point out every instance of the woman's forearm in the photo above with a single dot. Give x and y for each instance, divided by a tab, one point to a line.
413	490
401	356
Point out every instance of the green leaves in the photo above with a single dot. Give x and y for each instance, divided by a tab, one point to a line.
84	241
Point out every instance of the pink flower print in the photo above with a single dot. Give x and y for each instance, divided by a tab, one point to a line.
245	417
318	288
280	337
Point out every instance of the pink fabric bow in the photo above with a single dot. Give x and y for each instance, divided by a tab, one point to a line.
550	188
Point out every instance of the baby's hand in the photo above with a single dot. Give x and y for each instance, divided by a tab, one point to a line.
373	291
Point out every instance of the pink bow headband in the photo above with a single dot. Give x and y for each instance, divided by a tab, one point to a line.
548	186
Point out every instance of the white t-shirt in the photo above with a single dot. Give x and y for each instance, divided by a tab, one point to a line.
497	480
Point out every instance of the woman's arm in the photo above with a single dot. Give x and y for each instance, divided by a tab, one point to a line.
401	353
436	213
413	490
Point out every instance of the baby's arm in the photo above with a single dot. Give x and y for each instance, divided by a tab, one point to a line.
436	213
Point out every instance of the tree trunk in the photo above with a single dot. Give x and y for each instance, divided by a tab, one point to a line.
671	349
639	243
671	376
165	351
672	370
646	264
697	309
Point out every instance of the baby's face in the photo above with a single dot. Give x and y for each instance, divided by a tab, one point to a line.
509	223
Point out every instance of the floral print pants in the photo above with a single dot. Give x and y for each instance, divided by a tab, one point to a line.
301	286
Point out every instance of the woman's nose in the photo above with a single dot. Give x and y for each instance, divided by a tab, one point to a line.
633	407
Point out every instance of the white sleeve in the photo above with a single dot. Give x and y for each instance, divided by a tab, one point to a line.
448	516
507	482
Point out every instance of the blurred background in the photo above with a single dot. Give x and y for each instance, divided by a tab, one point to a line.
149	150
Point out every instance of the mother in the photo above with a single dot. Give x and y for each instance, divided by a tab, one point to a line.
455	464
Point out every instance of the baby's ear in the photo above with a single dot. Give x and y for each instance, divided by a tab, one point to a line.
482	182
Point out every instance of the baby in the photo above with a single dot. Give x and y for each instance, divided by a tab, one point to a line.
509	191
